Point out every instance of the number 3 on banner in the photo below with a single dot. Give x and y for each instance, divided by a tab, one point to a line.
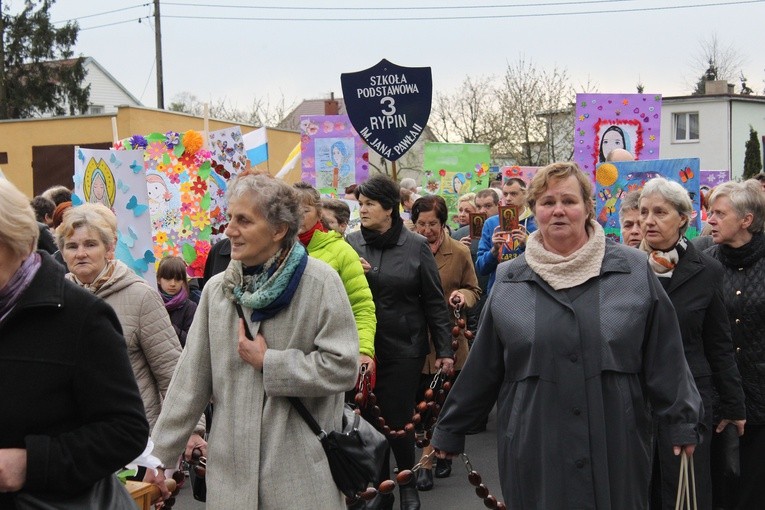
389	101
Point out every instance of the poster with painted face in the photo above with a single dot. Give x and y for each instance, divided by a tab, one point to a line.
615	180
117	180
453	169
605	122
334	156
177	181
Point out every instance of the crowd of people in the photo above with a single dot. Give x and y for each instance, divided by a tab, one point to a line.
607	362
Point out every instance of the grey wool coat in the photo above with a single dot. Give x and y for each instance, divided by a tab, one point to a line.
574	373
261	454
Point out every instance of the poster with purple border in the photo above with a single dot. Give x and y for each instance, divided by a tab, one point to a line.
604	122
334	155
712	178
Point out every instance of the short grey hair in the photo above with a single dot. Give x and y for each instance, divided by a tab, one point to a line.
745	198
18	227
96	217
409	183
630	202
673	193
276	201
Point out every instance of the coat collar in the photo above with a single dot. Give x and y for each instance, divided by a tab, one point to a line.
47	287
401	237
689	265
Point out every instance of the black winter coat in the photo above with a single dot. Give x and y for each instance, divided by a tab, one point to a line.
744	296
182	318
68	394
409	299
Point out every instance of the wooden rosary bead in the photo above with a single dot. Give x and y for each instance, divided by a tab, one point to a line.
409	428
404	477
422	443
474	478
455	345
482	491
372	398
376	412
386	430
422	407
416	418
469	335
447	385
380	422
359	399
456	331
368	494
490	501
429	394
461	323
501	506
386	487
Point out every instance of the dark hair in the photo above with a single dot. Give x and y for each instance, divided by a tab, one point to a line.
760	176
430	203
43	207
487	193
172	268
611	128
511	180
339	208
384	190
351	189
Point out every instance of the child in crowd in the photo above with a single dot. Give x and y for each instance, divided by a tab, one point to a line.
174	287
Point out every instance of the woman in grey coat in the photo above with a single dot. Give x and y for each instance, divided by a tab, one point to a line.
577	341
261	455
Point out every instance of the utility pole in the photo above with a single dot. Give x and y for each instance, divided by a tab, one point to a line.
3	103
158	49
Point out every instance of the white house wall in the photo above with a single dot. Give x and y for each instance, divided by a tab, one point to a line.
103	91
713	146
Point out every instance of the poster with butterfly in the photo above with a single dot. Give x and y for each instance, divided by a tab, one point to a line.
228	158
333	154
177	180
614	180
117	180
525	173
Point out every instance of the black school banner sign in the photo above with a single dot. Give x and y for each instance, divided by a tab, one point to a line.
388	105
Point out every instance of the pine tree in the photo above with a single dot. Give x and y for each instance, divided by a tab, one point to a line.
752	157
31	83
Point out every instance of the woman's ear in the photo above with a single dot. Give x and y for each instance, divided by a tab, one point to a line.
279	233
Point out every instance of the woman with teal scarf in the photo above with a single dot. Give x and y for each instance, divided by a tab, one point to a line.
260	453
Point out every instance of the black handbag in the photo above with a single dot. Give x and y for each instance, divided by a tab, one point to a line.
106	493
725	452
355	455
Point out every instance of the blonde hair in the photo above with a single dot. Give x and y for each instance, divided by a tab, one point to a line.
18	227
557	172
96	217
467	197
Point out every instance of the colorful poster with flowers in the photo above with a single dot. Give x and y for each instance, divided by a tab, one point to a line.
712	178
525	173
605	122
334	156
614	180
117	180
453	169
177	179
228	159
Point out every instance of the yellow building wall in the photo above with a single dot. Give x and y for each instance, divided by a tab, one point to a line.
17	137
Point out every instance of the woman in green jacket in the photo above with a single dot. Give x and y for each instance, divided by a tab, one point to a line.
330	247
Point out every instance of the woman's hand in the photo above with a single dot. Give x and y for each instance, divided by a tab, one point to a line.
195	442
13	469
497	240
738	423
687	448
157	478
467	240
446	365
252	351
445	455
370	363
366	266
456	299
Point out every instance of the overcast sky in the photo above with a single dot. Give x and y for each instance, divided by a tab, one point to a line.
238	59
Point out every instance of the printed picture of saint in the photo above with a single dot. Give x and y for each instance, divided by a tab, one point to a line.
98	183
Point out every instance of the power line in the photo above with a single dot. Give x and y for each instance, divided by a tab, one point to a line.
486	16
407	8
100	14
116	23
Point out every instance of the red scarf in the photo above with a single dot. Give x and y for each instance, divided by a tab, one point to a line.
306	236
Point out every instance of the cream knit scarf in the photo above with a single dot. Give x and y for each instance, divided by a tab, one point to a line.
575	269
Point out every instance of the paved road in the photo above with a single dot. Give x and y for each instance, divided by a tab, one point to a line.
449	493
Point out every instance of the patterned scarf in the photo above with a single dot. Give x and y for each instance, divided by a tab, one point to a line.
663	263
174	302
270	287
104	276
566	272
435	246
18	283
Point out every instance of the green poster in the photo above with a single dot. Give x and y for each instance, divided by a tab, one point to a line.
453	169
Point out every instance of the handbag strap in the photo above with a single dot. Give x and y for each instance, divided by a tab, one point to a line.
686	487
296	403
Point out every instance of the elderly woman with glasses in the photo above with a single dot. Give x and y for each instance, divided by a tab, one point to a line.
578	346
71	411
736	216
694	283
261	454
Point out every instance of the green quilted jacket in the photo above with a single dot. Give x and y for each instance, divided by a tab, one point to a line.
330	247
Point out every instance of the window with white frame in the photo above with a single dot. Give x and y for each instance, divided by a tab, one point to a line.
95	109
685	127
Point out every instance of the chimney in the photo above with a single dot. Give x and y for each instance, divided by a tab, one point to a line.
716	87
331	106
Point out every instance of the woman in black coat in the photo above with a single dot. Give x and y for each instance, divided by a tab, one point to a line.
409	305
736	215
71	412
693	282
